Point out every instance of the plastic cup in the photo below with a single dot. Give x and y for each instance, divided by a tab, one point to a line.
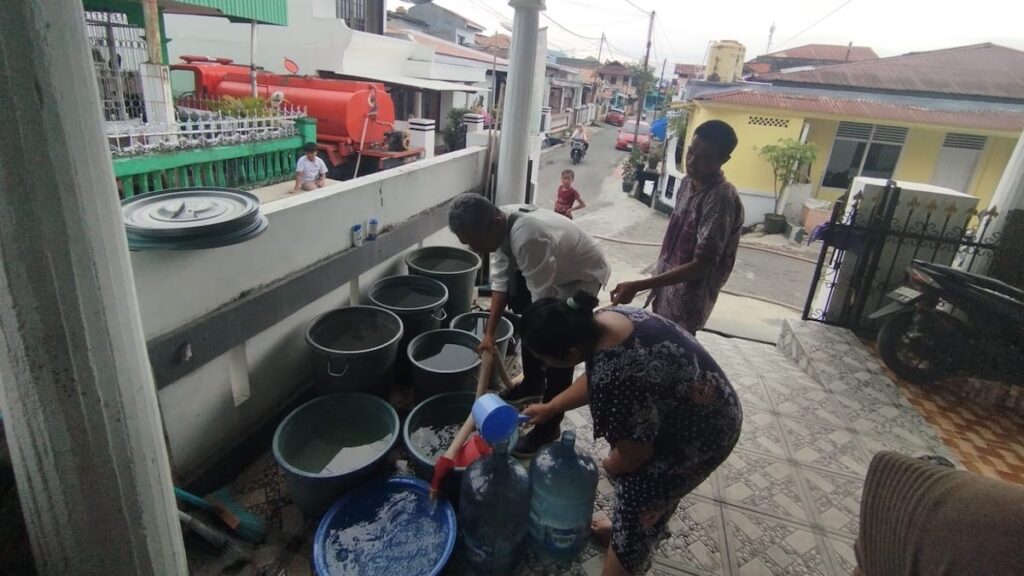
495	419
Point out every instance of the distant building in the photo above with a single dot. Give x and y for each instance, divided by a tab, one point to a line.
616	88
445	24
362	15
496	44
400	19
945	117
809	56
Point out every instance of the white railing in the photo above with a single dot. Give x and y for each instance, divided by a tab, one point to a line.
198	128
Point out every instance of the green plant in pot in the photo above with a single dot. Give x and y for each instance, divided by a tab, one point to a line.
455	130
635	160
790	161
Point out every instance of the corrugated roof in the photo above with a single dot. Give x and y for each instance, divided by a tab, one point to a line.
447	48
980	70
993	119
262	11
833	52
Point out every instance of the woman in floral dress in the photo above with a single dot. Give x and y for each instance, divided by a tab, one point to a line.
661	401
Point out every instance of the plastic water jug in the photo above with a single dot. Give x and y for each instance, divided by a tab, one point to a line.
564	484
493	514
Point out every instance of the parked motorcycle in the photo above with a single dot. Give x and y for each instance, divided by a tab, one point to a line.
943	317
577	150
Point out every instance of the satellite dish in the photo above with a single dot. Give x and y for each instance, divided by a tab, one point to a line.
291	66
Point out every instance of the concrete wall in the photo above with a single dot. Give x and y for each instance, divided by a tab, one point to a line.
175	288
314	39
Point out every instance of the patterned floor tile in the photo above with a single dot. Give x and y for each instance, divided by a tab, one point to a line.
824	446
697	537
762	483
804	402
764	546
841	549
875	444
834	498
751	392
886	419
863	385
761	433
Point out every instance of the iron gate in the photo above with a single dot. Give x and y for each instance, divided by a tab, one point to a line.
868	243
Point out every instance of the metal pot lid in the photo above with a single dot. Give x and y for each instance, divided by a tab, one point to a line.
137	243
190	212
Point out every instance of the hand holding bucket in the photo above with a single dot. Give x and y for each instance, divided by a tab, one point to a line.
495	419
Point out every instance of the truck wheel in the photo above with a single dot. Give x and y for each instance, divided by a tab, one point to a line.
921	347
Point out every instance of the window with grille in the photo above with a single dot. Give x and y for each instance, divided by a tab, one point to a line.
353	12
863	150
768	121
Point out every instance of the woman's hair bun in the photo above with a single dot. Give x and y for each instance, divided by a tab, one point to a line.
585	301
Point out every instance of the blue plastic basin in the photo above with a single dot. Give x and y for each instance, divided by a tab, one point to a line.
392	528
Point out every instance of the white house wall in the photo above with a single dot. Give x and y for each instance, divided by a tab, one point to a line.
175	288
314	43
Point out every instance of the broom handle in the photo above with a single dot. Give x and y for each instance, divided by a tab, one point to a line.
483	378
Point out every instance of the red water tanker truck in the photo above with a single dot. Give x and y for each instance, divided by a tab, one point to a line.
355	120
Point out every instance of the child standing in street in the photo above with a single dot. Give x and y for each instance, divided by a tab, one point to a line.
567	198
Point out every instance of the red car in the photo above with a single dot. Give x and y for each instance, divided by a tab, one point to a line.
625	138
615	117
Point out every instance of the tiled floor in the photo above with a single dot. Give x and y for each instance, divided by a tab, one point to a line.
786	501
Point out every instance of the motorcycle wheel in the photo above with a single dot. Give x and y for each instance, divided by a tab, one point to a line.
920	356
575	159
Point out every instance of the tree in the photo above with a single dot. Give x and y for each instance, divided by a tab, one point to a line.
790	160
637	76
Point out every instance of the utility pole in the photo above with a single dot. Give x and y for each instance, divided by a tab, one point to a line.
661	81
151	17
642	95
600	51
771	35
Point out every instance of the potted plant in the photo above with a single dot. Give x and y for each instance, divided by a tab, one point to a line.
634	161
790	161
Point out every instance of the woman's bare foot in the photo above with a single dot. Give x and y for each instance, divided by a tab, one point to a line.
601	528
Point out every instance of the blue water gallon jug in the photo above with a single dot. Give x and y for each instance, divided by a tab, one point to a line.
563	482
493	514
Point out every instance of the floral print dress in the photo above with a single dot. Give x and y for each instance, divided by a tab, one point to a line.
659	386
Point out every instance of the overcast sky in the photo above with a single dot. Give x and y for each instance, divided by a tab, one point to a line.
684	28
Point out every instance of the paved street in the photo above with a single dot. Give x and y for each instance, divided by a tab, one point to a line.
632	227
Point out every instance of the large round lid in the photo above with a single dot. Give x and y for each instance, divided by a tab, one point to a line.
191	218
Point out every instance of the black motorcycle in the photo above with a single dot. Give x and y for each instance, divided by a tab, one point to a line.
944	318
577	149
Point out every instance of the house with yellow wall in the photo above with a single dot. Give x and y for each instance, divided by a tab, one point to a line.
946	117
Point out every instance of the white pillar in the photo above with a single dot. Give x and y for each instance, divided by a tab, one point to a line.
417	104
156	93
1009	195
77	394
516	123
421	135
473	122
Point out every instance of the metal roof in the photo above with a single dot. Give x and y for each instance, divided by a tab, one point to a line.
833	52
447	48
1008	119
261	11
980	70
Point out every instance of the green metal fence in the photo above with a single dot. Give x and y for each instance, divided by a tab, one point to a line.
245	166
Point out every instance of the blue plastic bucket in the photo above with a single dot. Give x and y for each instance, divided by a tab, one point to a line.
392	528
495	419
